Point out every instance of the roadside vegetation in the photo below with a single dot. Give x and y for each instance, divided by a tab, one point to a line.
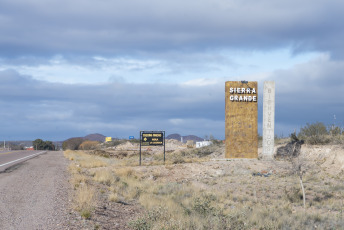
318	134
79	143
192	191
39	144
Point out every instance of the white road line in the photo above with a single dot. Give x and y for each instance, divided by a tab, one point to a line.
22	158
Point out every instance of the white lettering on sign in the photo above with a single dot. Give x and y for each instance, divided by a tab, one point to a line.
243	98
242	90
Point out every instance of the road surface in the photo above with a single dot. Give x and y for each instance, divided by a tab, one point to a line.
10	158
34	194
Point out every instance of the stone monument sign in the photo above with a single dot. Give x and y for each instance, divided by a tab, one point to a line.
268	119
241	119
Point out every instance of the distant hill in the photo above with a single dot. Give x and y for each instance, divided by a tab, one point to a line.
174	136
95	137
177	136
192	137
91	137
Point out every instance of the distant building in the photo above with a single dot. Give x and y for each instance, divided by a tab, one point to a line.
200	144
29	148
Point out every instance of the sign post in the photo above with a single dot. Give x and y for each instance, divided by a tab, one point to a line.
152	138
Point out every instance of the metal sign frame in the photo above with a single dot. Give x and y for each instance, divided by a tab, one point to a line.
152	144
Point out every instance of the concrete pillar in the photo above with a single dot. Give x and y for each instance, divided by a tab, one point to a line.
268	119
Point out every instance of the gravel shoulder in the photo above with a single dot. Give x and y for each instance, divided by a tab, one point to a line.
35	194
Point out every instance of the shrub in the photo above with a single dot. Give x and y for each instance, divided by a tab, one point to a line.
72	143
178	159
314	134
114	142
39	144
140	224
204	151
86	214
202	205
88	145
335	131
315	129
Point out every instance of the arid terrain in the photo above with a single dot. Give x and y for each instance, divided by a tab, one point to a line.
200	189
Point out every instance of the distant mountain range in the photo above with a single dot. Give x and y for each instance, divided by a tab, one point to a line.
101	138
178	137
27	143
95	137
92	137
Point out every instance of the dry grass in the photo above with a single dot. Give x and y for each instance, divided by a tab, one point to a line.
85	200
124	172
69	154
92	162
186	206
85	160
85	194
113	197
231	200
104	176
77	180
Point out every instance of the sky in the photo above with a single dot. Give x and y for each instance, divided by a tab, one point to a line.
72	68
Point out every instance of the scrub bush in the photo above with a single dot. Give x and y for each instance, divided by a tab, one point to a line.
315	134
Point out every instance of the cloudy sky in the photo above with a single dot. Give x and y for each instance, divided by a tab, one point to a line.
71	68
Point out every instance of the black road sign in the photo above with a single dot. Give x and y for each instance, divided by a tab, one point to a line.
148	139
152	138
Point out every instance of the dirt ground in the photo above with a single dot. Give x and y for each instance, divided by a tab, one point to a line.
237	183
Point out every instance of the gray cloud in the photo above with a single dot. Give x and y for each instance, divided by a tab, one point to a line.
116	109
177	37
30	108
137	27
310	92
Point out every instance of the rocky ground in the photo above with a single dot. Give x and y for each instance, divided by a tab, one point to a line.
245	183
48	192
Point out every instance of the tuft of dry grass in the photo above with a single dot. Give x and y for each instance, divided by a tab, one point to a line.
92	162
77	180
85	160
113	197
104	176
85	200
124	172
69	154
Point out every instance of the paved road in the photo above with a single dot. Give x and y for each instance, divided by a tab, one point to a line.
11	158
35	194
